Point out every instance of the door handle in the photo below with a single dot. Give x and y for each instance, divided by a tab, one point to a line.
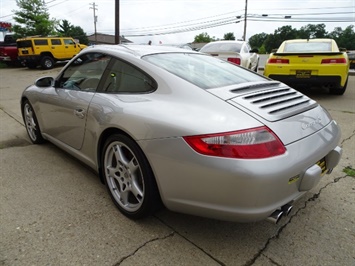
80	113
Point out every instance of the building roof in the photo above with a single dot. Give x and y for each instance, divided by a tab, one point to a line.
106	39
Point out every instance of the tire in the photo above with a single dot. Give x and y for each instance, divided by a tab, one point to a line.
47	62
256	67
339	90
129	178
31	123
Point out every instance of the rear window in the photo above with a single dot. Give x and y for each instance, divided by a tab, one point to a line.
222	47
308	47
24	44
202	70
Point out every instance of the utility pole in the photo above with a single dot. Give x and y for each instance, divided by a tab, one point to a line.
117	22
95	18
245	20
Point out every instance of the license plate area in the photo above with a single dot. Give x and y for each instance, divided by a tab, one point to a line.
303	74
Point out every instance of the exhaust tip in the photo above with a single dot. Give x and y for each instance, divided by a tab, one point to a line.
287	209
275	216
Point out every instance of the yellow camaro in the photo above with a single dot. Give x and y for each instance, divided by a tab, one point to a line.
314	62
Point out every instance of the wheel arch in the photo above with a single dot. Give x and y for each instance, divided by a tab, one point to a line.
47	54
101	143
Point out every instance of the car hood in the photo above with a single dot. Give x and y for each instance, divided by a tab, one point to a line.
289	113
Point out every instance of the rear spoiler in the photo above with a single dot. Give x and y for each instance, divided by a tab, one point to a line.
316	53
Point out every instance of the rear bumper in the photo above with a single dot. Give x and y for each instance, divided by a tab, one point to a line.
6	59
292	80
239	190
30	59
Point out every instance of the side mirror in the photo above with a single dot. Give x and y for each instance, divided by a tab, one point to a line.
45	82
255	50
274	51
342	49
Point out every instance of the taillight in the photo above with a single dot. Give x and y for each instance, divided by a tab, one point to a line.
334	61
234	60
278	61
255	143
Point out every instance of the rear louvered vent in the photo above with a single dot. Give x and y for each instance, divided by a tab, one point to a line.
275	104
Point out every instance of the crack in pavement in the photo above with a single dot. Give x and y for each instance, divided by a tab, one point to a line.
271	260
13	117
143	245
279	231
192	243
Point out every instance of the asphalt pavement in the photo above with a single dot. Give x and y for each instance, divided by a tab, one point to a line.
55	211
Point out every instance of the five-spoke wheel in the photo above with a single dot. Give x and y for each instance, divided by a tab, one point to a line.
129	179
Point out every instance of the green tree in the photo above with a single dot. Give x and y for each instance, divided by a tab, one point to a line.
64	28
229	36
203	37
76	32
33	19
284	33
344	38
257	40
312	31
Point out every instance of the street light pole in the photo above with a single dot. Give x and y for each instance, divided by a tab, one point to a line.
245	20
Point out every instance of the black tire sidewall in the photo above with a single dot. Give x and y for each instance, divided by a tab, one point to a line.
39	139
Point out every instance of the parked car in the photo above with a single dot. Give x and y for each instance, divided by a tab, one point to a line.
186	46
8	51
237	52
196	133
46	51
310	62
351	55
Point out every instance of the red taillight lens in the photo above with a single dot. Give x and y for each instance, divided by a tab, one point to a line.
278	61
234	60
334	61
255	143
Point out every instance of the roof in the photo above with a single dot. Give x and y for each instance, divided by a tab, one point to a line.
138	49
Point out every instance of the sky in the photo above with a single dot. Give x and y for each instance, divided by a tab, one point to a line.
179	21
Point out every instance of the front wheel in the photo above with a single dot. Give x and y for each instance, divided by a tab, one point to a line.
129	178
31	123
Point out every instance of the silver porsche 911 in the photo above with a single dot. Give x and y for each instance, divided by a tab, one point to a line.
169	127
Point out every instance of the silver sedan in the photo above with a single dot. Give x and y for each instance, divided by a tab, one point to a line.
169	127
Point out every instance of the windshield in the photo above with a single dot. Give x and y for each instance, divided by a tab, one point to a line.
204	71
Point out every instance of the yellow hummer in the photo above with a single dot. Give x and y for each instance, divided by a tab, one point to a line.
45	51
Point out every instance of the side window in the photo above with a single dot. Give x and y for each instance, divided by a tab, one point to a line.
68	42
56	42
122	77
41	42
85	72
